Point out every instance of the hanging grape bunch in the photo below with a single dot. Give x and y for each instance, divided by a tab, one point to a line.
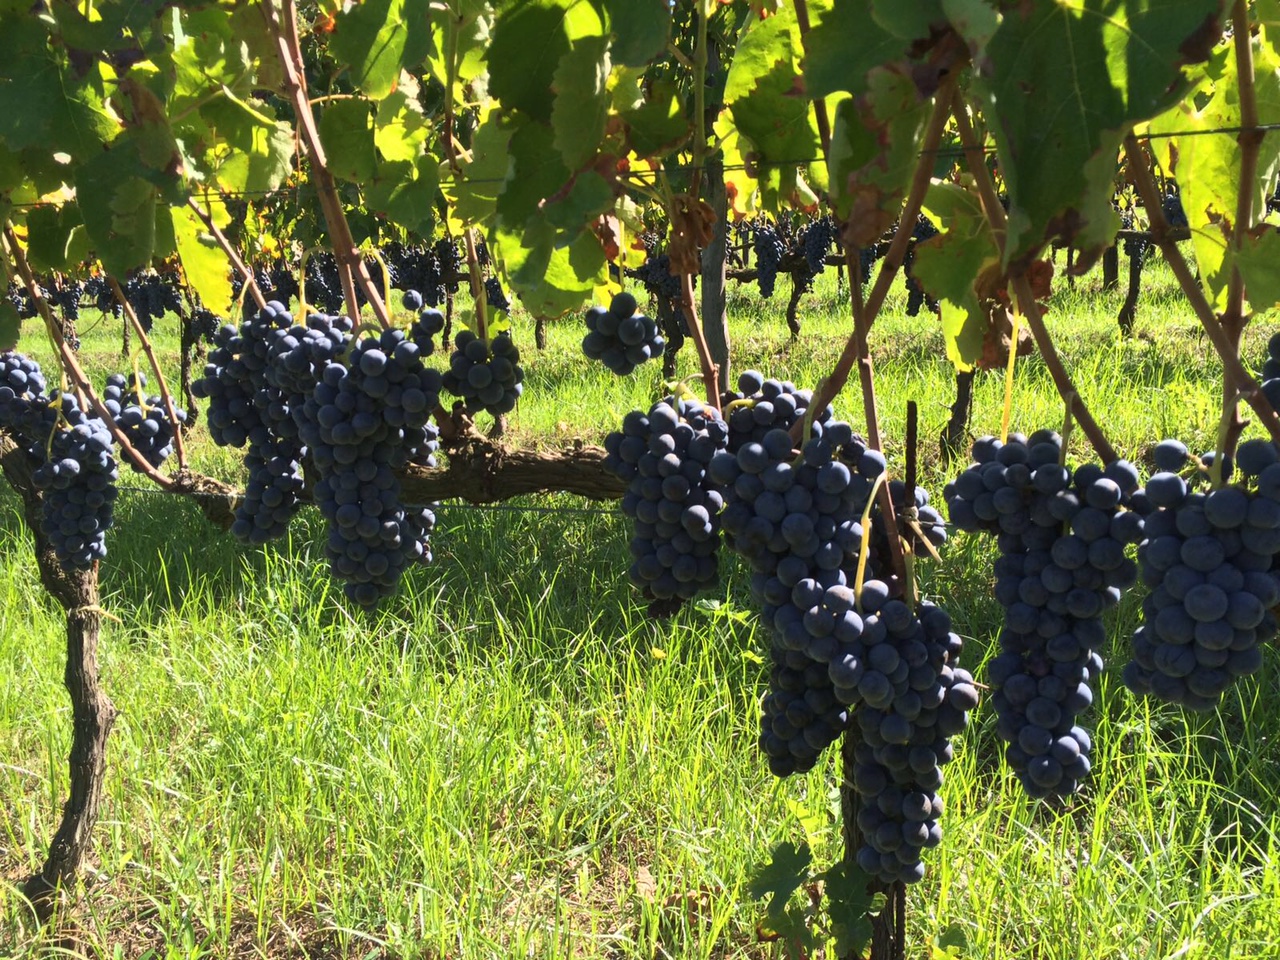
1208	558
621	337
143	419
486	375
1062	538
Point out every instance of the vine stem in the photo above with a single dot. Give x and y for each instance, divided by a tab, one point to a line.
478	295
477	286
1233	368
710	369
72	366
700	99
179	445
351	267
1250	140
221	238
1022	287
864	314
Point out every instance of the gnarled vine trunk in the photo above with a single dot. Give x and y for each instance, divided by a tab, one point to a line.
92	713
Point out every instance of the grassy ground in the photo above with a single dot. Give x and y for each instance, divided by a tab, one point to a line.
510	760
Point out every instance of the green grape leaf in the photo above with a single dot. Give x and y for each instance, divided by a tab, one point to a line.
538	173
119	207
370	37
581	104
207	54
253	152
405	194
550	274
529	41
844	46
419	43
44	105
1257	261
203	261
975	20
400	130
51	231
784	874
346	130
640	29
658	126
874	150
850	904
474	194
1208	167
10	326
908	21
952	266
762	92
589	197
1062	84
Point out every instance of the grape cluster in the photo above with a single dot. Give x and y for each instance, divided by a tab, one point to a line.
621	337
204	324
22	400
674	506
1062	537
78	480
655	274
364	420
1271	372
485	375
1171	206
151	296
21	301
66	297
143	419
769	248
797	523
912	697
276	281
923	230
816	241
417	269
236	371
246	408
1207	558
494	295
761	405
428	323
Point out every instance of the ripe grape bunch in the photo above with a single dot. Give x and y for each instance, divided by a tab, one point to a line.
426	325
1271	372
143	419
246	409
621	337
1208	558
1062	538
797	523
770	248
486	375
816	240
761	405
79	483
366	419
903	674
674	506
656	276
23	401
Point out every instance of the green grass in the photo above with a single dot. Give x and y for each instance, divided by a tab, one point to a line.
510	760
